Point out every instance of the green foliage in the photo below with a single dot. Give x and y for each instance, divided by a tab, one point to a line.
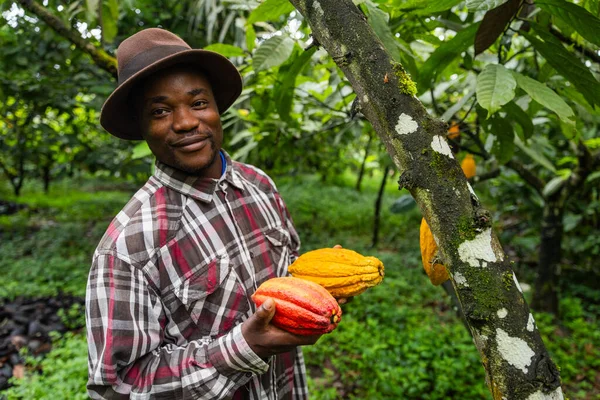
62	374
443	56
483	5
577	17
400	339
495	87
562	60
273	52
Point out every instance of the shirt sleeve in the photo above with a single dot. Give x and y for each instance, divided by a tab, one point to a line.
127	356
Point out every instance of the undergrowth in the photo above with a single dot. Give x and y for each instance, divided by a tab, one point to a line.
399	340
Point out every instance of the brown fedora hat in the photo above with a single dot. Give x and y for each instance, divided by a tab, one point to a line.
154	49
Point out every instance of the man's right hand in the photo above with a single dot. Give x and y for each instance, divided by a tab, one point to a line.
265	339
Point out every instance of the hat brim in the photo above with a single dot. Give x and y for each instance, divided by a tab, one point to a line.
117	115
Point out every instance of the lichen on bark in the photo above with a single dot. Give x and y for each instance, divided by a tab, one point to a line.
434	178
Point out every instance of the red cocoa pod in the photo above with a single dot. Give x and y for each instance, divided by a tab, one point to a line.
301	307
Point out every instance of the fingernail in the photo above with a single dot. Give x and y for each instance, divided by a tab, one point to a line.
267	305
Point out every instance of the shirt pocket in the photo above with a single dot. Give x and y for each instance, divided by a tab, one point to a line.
213	297
271	255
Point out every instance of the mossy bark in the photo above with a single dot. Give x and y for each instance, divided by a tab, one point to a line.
515	359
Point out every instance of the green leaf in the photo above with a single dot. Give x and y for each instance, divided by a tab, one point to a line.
576	17
226	50
554	185
494	23
483	5
270	10
250	37
403	204
535	155
495	87
423	7
140	150
516	114
378	19
565	63
545	96
441	58
273	52
284	93
110	17
504	143
91	9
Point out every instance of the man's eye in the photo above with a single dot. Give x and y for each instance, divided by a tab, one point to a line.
200	103
158	112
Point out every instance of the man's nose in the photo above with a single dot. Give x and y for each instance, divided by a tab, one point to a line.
184	120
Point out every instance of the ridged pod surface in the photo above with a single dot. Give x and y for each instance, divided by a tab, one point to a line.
301	307
343	272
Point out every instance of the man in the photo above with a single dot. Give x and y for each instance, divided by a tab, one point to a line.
169	314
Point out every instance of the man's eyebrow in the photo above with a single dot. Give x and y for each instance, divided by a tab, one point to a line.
197	91
156	99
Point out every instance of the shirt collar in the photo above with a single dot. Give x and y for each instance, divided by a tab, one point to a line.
199	188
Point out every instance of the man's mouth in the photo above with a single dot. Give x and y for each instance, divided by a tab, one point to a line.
192	143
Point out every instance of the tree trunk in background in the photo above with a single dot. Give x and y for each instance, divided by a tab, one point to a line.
516	362
378	202
545	295
46	175
362	166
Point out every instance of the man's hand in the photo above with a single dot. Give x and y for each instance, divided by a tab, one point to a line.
342	300
266	339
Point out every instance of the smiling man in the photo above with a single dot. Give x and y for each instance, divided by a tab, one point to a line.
169	313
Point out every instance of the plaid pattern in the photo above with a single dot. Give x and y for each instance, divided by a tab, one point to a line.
170	284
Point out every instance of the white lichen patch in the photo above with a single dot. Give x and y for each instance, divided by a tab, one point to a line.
460	279
365	99
471	190
530	323
318	8
406	125
439	145
539	395
517	283
514	350
478	252
502	313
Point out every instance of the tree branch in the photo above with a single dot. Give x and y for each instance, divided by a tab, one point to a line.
100	57
494	307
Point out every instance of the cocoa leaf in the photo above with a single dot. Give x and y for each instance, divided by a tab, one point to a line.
493	24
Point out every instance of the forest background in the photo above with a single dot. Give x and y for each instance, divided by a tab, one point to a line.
516	81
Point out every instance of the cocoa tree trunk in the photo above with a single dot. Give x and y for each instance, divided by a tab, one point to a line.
516	362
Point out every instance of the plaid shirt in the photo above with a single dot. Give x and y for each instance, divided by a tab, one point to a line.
170	285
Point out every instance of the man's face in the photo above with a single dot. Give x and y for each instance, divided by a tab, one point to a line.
180	121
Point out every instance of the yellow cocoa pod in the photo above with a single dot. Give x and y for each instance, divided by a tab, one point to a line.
343	272
468	166
437	273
